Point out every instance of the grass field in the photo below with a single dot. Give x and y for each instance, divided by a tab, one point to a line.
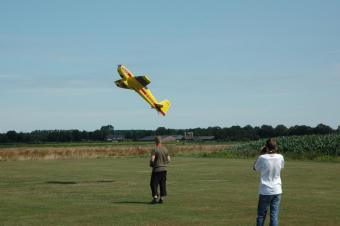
202	191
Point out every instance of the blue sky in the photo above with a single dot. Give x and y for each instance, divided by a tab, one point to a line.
220	63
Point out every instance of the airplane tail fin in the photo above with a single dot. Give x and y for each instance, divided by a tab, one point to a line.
164	105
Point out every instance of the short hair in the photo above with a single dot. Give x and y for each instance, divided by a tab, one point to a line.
271	145
158	139
263	150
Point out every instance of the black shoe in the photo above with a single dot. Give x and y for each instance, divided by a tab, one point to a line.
160	201
154	201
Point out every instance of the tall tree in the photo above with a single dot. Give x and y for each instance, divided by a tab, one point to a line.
323	129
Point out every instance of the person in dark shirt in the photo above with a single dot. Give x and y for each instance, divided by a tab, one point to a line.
159	159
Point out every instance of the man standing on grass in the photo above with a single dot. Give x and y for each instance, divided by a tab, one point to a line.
159	159
269	164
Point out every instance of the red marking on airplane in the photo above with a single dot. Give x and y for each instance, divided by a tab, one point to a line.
127	72
154	104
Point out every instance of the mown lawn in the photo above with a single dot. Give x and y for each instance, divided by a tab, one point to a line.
202	191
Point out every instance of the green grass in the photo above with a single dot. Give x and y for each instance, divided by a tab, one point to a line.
202	191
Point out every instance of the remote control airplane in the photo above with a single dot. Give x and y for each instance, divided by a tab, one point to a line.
138	84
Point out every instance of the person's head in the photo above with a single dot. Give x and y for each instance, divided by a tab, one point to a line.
263	150
271	145
158	140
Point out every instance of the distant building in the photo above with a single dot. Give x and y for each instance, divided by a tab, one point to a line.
147	138
165	138
188	135
179	137
169	138
204	138
115	138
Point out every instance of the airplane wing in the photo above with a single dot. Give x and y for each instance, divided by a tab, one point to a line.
120	83
143	80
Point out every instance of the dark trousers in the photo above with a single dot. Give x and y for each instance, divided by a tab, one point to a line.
158	178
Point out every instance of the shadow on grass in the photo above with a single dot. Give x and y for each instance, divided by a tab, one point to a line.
79	182
132	202
61	182
105	181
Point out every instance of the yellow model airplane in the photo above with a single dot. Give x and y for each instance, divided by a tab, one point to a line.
138	84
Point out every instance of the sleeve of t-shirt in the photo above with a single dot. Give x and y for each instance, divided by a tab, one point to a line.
258	163
282	163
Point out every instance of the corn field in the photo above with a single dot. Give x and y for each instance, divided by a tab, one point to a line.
305	146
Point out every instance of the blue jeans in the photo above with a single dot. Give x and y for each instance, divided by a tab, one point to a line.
264	202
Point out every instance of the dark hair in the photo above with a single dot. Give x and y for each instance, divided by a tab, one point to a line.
158	139
263	150
271	145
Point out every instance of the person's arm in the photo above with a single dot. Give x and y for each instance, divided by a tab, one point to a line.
169	159
152	159
263	151
256	164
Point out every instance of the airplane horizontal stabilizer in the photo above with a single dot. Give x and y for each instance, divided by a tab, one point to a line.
164	106
122	84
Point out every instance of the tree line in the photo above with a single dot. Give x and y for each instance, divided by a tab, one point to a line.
233	133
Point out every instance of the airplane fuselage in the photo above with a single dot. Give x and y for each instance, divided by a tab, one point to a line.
131	82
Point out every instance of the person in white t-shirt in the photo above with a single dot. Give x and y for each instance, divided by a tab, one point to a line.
269	163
